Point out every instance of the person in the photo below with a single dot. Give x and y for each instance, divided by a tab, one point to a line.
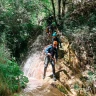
51	56
56	38
48	34
53	27
48	30
50	19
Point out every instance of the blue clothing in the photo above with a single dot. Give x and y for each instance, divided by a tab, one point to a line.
47	61
54	34
53	51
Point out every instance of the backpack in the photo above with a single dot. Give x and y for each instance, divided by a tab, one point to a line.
47	30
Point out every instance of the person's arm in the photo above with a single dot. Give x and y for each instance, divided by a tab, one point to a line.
47	51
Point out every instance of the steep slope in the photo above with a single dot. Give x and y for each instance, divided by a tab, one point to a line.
71	73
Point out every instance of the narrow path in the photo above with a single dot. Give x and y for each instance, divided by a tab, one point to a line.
68	73
33	69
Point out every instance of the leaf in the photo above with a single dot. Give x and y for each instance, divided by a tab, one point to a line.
76	86
90	73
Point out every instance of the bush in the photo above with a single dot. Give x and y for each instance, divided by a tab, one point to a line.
11	77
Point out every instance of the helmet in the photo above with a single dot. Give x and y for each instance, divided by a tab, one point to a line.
55	43
54	34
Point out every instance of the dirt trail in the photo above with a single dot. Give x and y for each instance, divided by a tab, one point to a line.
33	69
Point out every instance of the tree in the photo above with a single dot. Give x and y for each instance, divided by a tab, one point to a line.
54	14
59	9
63	7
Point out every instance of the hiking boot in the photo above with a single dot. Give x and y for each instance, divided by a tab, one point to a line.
43	77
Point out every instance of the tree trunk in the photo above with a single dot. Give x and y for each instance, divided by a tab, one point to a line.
59	9
54	11
63	7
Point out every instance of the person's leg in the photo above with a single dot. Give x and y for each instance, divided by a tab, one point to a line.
53	69
60	43
45	65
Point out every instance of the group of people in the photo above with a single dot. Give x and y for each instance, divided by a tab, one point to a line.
51	52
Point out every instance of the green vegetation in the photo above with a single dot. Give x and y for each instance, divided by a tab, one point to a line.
21	21
11	76
62	89
17	25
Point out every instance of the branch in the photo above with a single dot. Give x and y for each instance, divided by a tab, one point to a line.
47	8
